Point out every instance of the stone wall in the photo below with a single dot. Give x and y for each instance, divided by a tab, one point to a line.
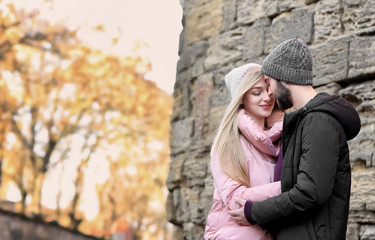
219	35
15	226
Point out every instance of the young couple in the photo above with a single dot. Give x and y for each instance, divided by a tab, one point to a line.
257	145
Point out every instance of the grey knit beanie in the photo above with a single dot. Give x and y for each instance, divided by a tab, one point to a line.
290	62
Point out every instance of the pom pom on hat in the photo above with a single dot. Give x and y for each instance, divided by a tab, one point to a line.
234	77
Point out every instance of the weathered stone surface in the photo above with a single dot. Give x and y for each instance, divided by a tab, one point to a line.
250	10
255	38
224	48
297	23
193	231
177	232
201	104
203	21
362	197
181	95
195	169
181	135
358	14
230	12
367	232
191	55
176	172
353	231
362	56
332	88
330	61
286	5
362	95
327	20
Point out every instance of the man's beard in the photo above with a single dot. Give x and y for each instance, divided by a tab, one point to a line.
283	97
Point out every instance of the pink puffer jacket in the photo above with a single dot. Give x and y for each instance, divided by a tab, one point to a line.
260	152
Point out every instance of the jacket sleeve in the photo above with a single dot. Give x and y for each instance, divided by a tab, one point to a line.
229	189
316	172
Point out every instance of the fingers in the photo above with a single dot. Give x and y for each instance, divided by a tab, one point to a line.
238	216
236	212
240	201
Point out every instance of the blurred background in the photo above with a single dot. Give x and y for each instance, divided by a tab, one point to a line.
85	106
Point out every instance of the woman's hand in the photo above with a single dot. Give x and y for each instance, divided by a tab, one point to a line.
238	215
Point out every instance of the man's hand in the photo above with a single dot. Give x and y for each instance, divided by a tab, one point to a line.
238	215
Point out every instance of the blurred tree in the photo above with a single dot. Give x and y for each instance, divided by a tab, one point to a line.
63	103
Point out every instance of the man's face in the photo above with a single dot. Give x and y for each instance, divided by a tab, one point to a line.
280	92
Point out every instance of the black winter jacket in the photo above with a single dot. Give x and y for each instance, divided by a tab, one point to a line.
316	174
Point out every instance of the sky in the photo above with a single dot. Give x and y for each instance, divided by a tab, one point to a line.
157	23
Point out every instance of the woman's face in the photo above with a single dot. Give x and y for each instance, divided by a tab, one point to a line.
257	102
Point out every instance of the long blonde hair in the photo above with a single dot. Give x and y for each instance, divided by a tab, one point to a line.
227	144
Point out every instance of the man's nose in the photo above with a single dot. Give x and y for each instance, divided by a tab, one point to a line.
269	92
268	96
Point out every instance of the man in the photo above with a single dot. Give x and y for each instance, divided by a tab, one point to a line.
316	174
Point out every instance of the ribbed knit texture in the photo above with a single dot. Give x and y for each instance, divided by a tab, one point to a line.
247	212
290	62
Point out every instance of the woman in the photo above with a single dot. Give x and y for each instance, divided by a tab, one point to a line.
243	153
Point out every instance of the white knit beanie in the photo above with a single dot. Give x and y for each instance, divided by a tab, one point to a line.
234	77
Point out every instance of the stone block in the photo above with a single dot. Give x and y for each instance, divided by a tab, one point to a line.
254	38
193	231
195	207
286	5
175	176
357	15
367	232
181	103
352	232
230	12
370	205
297	23
181	133
248	11
203	21
364	217
362	56
224	49
332	88
182	201
253	10
359	92
330	61
195	168
177	232
171	209
201	104
192	53
198	68
327	20
361	193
